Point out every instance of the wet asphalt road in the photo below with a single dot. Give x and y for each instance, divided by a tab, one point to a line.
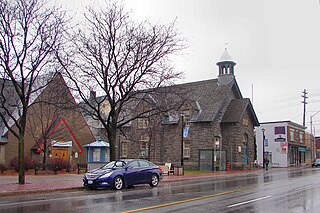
281	191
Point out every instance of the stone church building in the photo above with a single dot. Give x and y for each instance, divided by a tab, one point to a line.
212	129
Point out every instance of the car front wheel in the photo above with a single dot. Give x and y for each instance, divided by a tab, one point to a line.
154	180
118	183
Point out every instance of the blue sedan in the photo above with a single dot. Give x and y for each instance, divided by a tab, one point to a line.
123	173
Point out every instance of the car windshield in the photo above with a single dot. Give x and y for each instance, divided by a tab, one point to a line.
114	165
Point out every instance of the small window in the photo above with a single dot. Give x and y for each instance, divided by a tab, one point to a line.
186	117
124	149
301	137
186	149
292	135
143	123
143	149
245	122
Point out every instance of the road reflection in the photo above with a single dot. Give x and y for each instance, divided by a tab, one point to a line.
294	191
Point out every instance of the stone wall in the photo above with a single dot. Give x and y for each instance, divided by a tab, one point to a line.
2	152
233	135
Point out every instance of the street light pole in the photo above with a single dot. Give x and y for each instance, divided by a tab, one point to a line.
313	141
313	134
263	138
182	129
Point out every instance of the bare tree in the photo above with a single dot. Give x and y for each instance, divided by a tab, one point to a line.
118	57
31	33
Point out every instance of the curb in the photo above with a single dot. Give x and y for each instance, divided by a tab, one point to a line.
174	179
37	191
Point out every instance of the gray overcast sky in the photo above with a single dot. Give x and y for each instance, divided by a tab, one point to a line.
275	44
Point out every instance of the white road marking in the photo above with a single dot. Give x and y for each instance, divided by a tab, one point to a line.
249	201
303	188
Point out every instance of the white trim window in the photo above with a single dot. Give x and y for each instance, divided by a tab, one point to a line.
186	117
186	149
301	137
143	123
292	135
143	149
124	149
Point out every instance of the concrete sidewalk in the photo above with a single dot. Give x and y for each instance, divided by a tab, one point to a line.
49	183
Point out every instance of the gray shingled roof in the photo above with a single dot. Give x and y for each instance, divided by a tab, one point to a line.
12	100
207	96
236	110
210	96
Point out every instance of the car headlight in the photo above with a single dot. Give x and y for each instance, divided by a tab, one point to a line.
106	175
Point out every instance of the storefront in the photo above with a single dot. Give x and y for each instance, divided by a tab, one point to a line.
297	155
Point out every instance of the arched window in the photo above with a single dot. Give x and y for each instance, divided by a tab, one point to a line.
245	153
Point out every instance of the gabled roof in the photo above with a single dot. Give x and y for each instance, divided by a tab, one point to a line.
51	130
57	82
205	97
208	97
15	108
236	110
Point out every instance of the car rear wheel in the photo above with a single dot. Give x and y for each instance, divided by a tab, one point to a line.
154	180
118	183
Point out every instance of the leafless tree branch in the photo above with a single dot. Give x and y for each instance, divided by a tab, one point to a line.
31	32
118	57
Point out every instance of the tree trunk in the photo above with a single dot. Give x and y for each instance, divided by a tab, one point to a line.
112	135
21	164
44	160
112	140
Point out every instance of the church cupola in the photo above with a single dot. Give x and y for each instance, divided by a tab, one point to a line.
226	68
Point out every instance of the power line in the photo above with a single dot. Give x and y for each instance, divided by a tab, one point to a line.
273	107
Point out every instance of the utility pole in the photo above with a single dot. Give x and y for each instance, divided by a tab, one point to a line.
304	96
